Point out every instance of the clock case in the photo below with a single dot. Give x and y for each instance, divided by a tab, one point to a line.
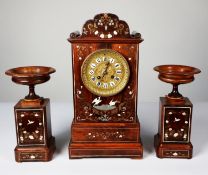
105	133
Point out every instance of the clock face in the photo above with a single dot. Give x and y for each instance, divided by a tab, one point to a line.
105	72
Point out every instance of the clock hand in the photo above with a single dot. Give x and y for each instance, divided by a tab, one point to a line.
106	68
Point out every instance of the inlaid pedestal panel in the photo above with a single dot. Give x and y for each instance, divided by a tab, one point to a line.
173	138
33	125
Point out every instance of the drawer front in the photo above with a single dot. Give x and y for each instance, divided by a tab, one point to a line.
176	153
30	127
105	135
177	123
30	156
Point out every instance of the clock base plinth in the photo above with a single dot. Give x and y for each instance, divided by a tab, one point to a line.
35	153
172	150
105	140
106	150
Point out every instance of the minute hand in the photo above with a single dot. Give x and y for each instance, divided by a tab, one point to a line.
106	68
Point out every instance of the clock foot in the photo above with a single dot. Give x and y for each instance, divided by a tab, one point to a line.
106	150
172	150
35	153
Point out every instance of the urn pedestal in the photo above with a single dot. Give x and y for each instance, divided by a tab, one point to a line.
173	138
175	114
32	117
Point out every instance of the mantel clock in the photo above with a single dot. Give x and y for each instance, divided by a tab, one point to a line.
105	60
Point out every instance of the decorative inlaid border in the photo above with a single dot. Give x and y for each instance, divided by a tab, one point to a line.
176	153
189	126
31	156
16	118
105	26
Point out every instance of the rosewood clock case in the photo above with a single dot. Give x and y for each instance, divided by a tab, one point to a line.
105	133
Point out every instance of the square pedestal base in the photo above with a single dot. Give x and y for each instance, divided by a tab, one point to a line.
128	150
35	153
105	140
171	150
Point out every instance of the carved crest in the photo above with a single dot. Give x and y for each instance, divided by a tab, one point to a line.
105	26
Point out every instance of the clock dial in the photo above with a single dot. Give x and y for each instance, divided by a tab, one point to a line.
105	72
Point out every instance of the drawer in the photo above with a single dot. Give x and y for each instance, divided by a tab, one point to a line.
176	153
105	135
32	156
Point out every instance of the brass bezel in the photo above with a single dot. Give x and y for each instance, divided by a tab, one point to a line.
101	91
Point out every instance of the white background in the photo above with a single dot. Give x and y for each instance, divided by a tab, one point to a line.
36	32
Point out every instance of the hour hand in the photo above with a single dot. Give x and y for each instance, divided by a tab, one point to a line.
105	70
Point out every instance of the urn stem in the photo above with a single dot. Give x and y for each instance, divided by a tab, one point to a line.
175	93
32	95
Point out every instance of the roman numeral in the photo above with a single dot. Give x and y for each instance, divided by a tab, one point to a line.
118	71
105	85
98	60
91	72
117	65
112	60
112	83
117	78
98	84
93	78
105	59
93	65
